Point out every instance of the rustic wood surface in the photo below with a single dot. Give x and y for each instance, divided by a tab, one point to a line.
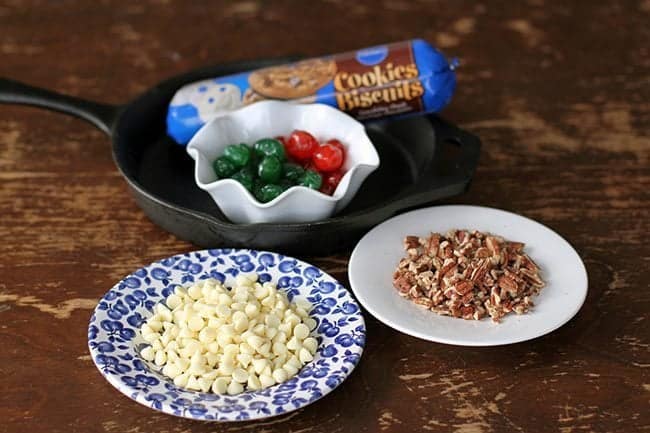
557	90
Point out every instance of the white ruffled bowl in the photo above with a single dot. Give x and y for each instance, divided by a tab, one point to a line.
271	119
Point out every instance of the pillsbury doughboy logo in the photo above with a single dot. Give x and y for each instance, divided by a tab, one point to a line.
212	99
197	103
372	56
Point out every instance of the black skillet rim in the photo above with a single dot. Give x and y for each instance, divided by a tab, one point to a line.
392	205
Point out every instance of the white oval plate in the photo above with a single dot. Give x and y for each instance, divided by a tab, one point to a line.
115	342
375	258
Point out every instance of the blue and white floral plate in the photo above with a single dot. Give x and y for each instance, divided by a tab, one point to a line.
115	341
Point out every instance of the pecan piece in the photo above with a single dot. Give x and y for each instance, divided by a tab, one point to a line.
492	245
402	284
411	242
432	244
464	287
508	285
425	302
516	247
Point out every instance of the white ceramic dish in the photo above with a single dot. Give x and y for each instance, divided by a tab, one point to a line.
270	119
376	256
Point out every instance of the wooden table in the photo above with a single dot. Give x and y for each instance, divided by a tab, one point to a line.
558	92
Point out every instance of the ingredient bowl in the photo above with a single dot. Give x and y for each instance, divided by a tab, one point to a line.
116	342
270	119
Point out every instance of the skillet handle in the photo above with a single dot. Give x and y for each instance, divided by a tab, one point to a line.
103	116
451	170
461	149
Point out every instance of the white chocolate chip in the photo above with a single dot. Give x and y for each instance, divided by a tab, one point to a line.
195	323
171	370
294	361
290	369
294	344
305	356
244	359
181	380
311	323
240	375
155	325
279	375
279	349
193	384
301	331
220	385
311	344
253	382
204	384
194	291
173	301
251	310
259	365
209	338
235	388
160	358
147	353
266	380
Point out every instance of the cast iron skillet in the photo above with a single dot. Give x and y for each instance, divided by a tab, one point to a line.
422	159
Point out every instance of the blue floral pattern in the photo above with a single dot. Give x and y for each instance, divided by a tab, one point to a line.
115	341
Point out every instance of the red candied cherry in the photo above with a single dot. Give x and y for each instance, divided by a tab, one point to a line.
301	145
328	158
282	140
309	165
337	143
331	181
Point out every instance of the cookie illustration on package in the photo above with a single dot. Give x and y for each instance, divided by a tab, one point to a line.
293	81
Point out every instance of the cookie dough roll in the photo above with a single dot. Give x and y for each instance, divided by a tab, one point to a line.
387	80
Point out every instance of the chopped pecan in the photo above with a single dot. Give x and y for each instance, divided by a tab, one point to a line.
411	242
516	247
413	252
447	265
508	284
467	274
425	302
479	271
402	284
493	245
464	287
432	244
467	298
528	263
467	312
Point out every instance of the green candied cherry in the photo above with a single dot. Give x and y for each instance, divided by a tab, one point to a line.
270	169
239	154
311	179
268	192
293	172
245	177
254	159
223	167
270	147
286	184
257	185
